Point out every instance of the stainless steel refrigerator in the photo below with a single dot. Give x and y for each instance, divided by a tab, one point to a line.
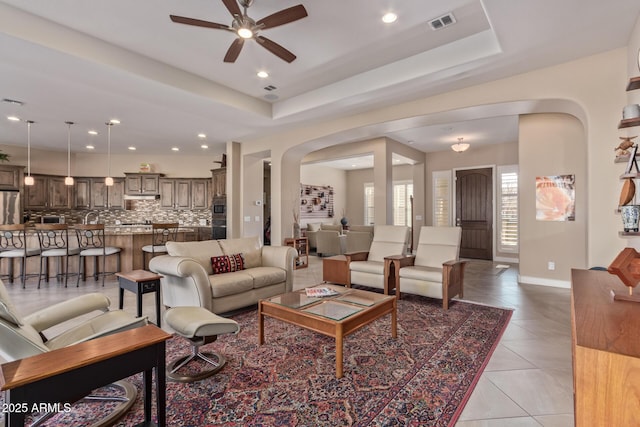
10	212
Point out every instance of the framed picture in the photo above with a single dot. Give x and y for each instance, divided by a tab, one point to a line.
555	198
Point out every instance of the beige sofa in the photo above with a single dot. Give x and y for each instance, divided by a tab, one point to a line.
189	278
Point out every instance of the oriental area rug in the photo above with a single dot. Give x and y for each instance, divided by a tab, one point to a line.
422	378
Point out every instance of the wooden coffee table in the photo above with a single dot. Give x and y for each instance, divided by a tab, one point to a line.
335	316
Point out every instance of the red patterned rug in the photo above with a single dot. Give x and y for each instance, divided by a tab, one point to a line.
422	378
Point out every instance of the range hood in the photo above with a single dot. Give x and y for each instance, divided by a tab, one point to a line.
141	196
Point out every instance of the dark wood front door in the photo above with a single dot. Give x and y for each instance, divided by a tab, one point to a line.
474	212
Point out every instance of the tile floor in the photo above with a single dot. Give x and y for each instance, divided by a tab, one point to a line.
528	381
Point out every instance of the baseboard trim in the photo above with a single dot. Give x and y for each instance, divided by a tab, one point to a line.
540	281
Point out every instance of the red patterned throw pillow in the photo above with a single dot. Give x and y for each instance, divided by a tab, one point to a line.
227	263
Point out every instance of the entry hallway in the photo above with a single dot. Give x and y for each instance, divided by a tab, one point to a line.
528	381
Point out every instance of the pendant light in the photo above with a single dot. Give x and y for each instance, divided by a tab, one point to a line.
28	180
108	181
459	147
69	179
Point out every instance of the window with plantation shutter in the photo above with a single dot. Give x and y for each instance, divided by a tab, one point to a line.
402	191
441	198
508	209
369	209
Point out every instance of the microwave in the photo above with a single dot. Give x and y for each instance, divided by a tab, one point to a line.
218	209
51	219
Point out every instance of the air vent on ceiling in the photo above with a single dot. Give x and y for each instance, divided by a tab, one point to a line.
443	21
270	88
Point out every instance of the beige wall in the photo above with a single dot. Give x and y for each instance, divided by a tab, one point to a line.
591	88
551	144
89	164
322	175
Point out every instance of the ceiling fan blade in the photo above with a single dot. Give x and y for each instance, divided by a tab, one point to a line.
283	17
232	7
276	49
234	50
197	22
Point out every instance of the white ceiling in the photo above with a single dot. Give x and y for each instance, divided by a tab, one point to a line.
88	62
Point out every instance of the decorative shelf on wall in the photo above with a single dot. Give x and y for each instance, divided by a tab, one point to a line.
634	83
627	123
316	201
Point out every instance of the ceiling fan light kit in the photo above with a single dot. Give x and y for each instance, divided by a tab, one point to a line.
246	28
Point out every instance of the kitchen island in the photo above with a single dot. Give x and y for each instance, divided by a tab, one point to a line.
130	238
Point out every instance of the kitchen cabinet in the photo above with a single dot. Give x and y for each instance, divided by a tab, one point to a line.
11	177
142	183
48	192
175	193
200	194
104	197
92	193
219	182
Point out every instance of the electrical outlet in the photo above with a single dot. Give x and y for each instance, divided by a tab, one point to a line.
551	265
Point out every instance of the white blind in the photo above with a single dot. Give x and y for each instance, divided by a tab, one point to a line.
441	198
508	208
402	191
369	210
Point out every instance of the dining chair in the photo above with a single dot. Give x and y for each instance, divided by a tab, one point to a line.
14	245
91	242
54	243
161	233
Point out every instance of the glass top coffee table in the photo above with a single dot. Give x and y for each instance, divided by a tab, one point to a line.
335	316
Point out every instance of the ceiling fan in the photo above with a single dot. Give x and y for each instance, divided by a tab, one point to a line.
247	28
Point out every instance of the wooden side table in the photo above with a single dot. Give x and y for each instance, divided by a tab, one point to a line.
335	269
392	265
140	282
63	374
301	244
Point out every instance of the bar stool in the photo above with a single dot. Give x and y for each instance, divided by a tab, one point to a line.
161	234
91	243
13	244
54	243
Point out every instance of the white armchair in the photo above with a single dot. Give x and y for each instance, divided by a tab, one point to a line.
368	268
436	270
330	242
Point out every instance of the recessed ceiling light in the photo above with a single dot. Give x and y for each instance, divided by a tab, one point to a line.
202	135
353	166
93	132
263	74
13	118
204	146
132	148
90	147
175	149
390	17
114	121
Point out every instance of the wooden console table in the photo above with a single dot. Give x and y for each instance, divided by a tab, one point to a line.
69	373
606	351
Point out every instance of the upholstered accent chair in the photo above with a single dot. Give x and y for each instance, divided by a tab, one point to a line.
436	270
330	242
367	268
314	227
359	238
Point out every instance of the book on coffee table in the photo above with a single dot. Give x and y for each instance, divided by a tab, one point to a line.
320	292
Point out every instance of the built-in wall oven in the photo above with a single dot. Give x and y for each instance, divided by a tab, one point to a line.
219	218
